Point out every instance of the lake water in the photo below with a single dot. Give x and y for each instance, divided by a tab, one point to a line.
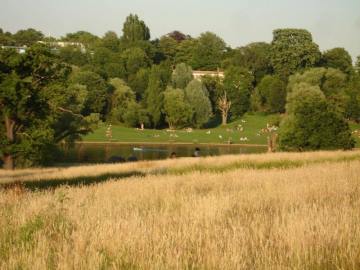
100	152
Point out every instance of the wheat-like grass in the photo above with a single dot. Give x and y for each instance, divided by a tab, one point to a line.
299	218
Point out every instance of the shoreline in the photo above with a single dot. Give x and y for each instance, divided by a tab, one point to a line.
171	143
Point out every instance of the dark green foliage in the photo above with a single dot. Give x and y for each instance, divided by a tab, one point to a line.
97	91
28	104
238	85
159	78
338	58
293	50
215	88
135	115
86	38
181	76
270	95
185	51
73	56
352	106
208	52
27	37
139	82
254	57
311	123
168	47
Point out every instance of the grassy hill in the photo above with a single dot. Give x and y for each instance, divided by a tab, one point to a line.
248	127
287	210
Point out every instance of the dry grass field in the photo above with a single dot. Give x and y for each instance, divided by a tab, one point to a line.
268	211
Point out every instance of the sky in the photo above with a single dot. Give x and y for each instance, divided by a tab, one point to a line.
333	23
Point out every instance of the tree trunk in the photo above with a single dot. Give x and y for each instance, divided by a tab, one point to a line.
8	157
224	119
8	162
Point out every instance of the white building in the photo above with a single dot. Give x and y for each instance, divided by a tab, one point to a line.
197	74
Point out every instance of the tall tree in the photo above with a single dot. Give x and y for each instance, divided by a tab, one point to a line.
197	97
121	99
238	85
208	52
154	95
215	88
181	76
177	111
338	58
135	30
270	95
293	50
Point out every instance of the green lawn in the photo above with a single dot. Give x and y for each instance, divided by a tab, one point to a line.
251	124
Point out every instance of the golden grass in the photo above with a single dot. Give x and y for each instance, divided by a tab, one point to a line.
176	165
300	218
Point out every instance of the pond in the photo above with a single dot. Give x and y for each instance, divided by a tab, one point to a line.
103	152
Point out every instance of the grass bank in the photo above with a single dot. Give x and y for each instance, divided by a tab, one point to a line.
249	127
268	211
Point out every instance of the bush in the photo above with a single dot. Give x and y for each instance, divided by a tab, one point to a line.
312	123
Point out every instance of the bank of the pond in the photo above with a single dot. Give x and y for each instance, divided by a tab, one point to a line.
96	152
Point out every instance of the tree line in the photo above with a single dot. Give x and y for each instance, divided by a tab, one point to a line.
52	94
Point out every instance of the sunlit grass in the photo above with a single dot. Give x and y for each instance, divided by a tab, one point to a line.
268	211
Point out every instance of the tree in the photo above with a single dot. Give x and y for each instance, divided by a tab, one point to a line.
338	58
139	82
154	95
122	97
111	41
293	50
178	113
224	106
215	88
30	104
254	57
27	37
208	52
168	47
136	115
135	30
181	76
73	56
185	51
197	97
311	123
98	91
87	39
270	95
178	36
238	85
352	106
332	83
134	59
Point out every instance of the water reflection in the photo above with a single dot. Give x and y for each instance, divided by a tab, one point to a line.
99	153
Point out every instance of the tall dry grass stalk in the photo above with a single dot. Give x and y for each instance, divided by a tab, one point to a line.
179	165
300	218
